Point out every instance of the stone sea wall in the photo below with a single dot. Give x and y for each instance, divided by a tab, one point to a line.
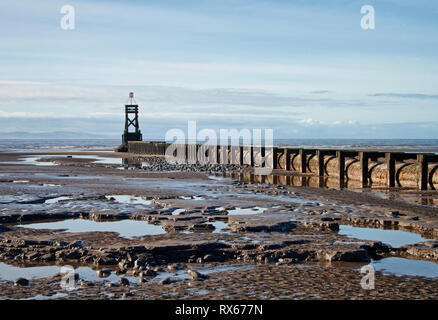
407	173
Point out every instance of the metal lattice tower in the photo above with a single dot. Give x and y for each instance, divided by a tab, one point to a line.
131	121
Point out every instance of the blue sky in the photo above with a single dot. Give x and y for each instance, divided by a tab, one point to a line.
304	68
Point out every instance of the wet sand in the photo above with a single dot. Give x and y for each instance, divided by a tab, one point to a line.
285	238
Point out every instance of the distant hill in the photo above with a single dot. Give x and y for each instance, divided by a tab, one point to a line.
54	135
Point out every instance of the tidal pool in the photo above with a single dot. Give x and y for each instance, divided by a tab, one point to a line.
125	228
56	200
394	238
402	266
12	272
195	198
128	199
219	226
246	211
177	212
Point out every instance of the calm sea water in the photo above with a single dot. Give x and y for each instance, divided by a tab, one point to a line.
41	145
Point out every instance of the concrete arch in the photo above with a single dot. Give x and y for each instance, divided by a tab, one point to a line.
309	169
281	161
326	163
347	166
431	174
292	160
398	172
370	171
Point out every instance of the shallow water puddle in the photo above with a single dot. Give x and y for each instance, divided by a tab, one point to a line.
402	266
96	159
43	297
11	272
219	226
177	212
195	198
128	199
33	160
57	199
99	159
220	178
246	211
125	228
394	238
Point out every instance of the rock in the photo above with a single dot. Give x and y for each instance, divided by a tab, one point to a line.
111	284
166	281
139	263
78	243
21	282
195	275
104	273
149	273
99	262
131	257
158	269
4	228
396	214
48	257
127	294
354	255
84	283
121	271
209	257
174	267
33	256
202	227
124	264
60	244
74	255
124	282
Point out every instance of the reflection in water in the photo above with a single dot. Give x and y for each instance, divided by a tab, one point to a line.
219	226
394	238
9	272
428	198
12	272
401	266
245	211
126	228
57	199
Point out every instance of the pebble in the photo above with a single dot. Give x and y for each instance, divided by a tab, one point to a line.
124	282
21	282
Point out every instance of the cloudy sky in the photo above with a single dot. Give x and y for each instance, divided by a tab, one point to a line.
305	68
